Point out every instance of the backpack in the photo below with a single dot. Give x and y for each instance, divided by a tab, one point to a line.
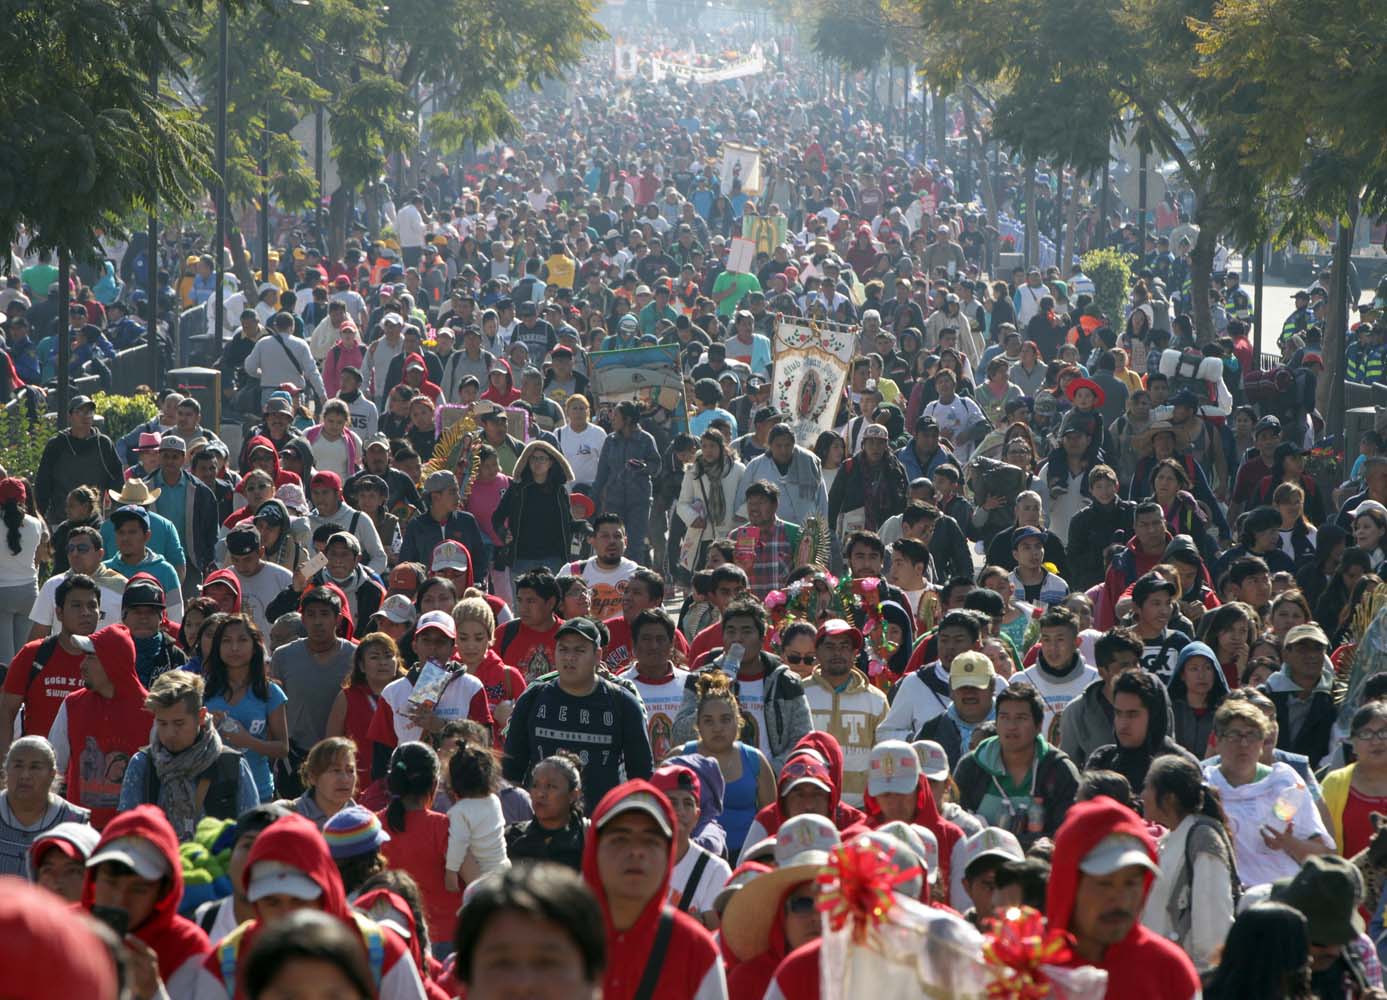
509	631
229	951
41	657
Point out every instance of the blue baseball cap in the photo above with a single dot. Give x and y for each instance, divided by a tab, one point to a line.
128	511
1021	534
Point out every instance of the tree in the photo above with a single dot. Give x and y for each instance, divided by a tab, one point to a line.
1077	73
373	68
1315	133
84	145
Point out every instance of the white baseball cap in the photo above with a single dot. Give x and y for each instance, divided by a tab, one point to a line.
398	608
137	854
893	767
934	762
644	802
991	842
450	555
440	620
805	840
275	878
1116	852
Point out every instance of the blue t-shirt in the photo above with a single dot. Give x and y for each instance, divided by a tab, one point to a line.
171	503
254	714
699	422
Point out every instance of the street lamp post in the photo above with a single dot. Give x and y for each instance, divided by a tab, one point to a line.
219	246
152	252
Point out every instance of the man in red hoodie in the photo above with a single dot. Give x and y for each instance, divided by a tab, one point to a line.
1140	556
99	728
897	791
652	948
290	869
1101	871
136	871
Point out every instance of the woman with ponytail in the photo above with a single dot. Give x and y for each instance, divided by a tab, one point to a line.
19	579
558	829
1195	852
419	835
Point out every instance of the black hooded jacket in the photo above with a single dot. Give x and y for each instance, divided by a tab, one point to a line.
1132	763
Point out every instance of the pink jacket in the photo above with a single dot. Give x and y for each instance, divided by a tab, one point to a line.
340	357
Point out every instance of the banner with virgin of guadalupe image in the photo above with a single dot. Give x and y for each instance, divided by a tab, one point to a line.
811	366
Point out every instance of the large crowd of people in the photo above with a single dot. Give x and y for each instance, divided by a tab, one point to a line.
1057	611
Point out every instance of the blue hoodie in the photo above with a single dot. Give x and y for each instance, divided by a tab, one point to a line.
1193	729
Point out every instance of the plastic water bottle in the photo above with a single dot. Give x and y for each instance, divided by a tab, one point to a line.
732	659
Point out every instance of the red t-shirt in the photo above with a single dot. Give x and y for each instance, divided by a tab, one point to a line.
1358	824
44	695
529	651
420	850
709	639
620	652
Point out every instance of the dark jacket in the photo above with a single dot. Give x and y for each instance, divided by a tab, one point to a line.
199	524
999	552
942	729
423	533
528	841
1133	762
1313	738
848	492
1056	782
68	462
1092	530
626	468
1193	729
952	555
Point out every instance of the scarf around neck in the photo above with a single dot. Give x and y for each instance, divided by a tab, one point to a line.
178	776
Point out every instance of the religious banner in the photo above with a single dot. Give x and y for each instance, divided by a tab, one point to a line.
624	61
811	366
741	163
734	67
649	375
766	231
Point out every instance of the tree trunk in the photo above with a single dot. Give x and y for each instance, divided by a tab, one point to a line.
941	126
1329	392
1071	223
1201	263
1028	235
978	150
240	263
338	215
62	329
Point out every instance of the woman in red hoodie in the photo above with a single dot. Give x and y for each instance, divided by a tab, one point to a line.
260	453
652	948
817	756
290	869
136	868
476	624
99	728
501	388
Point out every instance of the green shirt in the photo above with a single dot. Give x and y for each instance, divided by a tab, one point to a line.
740	284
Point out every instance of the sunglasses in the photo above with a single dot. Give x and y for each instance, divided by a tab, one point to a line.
802	905
80	548
806	658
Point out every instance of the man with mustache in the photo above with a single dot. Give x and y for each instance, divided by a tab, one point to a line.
1101	871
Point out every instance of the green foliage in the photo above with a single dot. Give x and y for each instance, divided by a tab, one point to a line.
21	442
82	140
1111	271
370	66
123	414
854	35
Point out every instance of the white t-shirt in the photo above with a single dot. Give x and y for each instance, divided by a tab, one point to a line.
661	703
259	590
1278	798
46	604
607	584
582	449
752	697
454	706
710	882
1057	694
331	456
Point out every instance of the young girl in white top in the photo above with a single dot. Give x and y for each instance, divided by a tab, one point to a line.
476	827
20	535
